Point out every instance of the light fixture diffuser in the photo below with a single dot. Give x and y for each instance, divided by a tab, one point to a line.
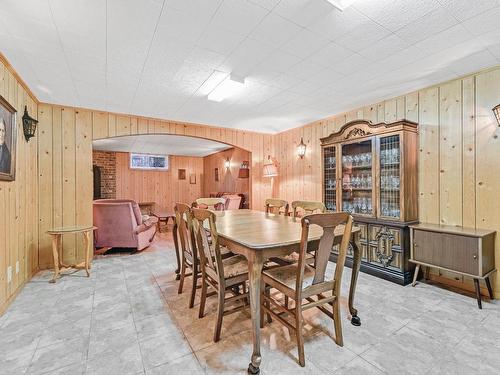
341	4
230	86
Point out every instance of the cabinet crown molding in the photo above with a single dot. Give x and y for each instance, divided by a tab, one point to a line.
364	128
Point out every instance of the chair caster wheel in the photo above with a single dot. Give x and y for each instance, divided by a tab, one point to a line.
356	321
252	369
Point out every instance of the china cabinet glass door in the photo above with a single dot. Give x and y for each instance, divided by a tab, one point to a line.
330	178
390	177
357	178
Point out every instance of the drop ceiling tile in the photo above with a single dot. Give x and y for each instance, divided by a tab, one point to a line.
304	69
302	12
334	23
275	30
195	6
266	4
484	22
220	40
363	37
473	62
246	56
394	14
187	27
238	16
426	26
351	64
304	44
278	62
465	9
450	37
387	46
330	54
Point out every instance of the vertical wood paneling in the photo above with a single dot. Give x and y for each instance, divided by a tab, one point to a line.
487	156
428	181
450	154
469	153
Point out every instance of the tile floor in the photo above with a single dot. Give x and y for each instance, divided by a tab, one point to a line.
128	319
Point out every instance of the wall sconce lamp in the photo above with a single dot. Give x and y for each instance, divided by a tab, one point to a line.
270	168
29	125
301	148
227	163
496	111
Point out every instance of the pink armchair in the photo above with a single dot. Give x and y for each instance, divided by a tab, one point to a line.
120	223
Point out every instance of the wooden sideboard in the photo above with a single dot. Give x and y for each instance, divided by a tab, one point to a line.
466	251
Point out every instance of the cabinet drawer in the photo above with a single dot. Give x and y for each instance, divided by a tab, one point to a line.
395	232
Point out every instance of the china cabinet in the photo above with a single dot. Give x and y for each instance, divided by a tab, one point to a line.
370	170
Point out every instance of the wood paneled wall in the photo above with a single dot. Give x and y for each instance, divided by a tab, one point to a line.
19	198
228	178
162	187
459	151
65	163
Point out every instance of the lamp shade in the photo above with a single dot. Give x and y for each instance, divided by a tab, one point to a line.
270	169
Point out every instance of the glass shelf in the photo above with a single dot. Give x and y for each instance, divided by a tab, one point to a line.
390	156
357	181
330	178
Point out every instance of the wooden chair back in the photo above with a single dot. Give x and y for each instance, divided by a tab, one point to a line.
308	207
211	259
274	206
218	204
184	221
328	222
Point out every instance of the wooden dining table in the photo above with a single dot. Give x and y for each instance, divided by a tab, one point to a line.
259	236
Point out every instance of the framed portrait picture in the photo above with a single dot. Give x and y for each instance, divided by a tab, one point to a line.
192	178
216	174
181	174
7	141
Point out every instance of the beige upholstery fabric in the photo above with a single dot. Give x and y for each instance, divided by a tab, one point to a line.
287	275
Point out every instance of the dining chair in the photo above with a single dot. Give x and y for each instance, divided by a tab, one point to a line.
216	204
190	257
308	207
310	285
274	206
223	275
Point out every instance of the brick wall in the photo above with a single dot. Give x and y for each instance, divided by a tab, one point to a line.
107	162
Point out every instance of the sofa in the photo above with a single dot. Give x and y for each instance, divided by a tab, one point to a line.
120	223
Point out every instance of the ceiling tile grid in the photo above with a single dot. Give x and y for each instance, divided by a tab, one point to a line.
301	59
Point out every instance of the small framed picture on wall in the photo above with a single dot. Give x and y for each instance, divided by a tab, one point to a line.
7	141
182	174
216	174
192	178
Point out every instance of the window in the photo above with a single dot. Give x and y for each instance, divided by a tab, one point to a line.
146	161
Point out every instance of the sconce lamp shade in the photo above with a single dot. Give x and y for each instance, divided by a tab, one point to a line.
244	171
496	111
29	125
301	148
227	163
270	169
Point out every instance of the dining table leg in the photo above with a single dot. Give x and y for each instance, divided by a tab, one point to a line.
356	264
255	264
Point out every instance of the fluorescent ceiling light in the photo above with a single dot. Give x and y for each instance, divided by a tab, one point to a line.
230	86
341	4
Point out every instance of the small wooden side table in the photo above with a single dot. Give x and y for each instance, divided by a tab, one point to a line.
163	217
56	234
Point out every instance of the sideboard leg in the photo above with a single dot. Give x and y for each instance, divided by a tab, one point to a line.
478	293
488	285
415	275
